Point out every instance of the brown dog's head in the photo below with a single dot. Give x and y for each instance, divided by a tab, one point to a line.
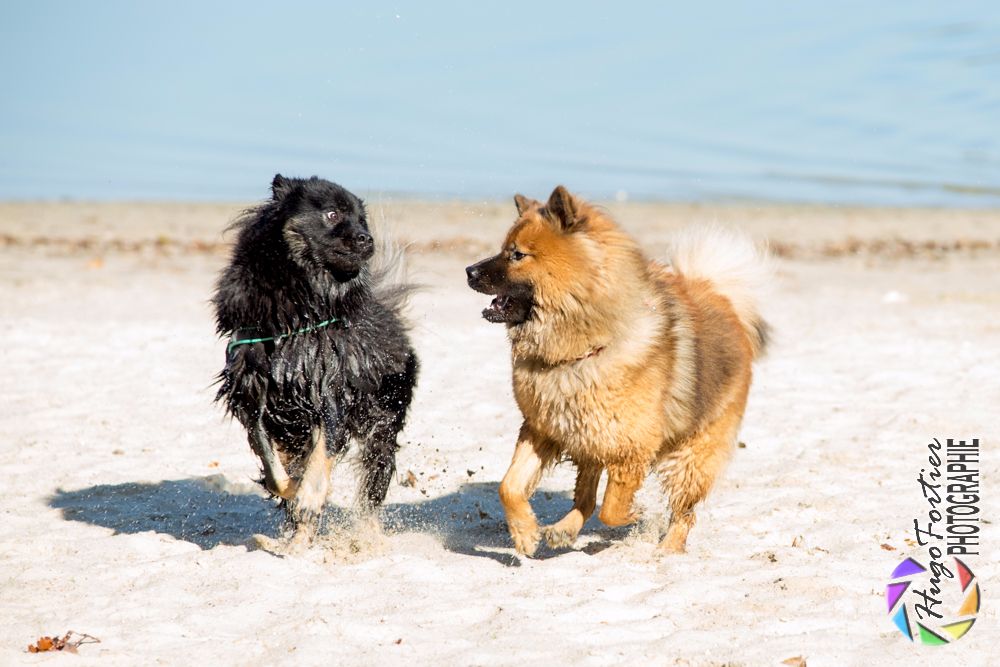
536	255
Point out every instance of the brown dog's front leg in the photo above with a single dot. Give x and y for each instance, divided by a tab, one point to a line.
564	533
623	482
531	456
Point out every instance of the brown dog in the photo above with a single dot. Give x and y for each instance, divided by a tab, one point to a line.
620	363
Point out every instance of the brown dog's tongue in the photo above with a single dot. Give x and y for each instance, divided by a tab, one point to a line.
494	312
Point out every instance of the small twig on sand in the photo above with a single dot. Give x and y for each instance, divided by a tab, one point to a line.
65	643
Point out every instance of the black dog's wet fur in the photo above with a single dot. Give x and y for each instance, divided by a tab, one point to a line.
299	259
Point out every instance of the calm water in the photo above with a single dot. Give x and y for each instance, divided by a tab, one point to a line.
888	103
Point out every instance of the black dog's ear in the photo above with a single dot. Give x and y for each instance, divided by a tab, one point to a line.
562	208
523	203
280	187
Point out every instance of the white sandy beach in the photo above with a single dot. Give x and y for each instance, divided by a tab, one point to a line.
129	499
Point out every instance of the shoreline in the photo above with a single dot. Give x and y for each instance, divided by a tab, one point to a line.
809	232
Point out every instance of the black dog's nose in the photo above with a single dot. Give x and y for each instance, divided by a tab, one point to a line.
363	238
472	272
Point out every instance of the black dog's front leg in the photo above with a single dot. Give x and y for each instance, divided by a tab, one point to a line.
378	458
275	477
332	416
306	506
305	502
378	455
329	441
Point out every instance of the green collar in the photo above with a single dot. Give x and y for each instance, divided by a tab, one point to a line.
249	341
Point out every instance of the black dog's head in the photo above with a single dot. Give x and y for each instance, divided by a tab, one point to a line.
325	226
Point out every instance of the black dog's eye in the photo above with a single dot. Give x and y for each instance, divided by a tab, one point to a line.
332	215
517	255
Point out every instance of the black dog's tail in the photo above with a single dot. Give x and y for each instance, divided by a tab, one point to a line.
388	268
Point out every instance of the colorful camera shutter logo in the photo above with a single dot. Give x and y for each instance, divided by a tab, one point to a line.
949	629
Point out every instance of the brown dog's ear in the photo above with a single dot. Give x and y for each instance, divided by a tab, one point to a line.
523	203
562	208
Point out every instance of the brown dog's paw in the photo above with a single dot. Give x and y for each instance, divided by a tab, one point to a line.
671	549
559	537
673	544
526	539
675	541
617	519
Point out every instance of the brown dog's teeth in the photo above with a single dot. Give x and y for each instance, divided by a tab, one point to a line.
495	311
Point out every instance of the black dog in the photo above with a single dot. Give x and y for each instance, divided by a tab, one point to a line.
318	354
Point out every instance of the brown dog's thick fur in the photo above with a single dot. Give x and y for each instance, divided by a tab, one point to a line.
620	363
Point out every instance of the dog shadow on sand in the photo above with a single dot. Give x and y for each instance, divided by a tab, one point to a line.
213	511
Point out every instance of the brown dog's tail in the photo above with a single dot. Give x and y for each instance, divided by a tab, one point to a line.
735	266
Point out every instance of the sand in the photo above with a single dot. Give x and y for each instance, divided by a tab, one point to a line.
129	498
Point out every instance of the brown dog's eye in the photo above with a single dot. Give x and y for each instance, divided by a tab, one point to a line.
332	216
517	255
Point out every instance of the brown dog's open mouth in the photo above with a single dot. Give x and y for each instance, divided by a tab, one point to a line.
513	300
498	309
512	307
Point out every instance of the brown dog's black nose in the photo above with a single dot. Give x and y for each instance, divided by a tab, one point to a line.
483	275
